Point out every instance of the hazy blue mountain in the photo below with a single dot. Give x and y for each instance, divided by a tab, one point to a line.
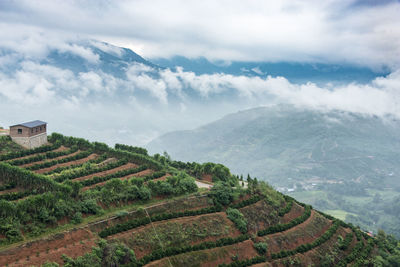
294	72
333	160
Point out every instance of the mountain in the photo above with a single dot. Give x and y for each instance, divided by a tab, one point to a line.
334	160
77	203
294	72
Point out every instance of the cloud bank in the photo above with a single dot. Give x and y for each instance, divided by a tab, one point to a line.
351	31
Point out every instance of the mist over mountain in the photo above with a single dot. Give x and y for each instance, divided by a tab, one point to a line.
294	72
341	154
118	96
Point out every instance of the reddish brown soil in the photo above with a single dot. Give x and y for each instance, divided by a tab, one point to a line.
313	256
295	212
207	178
162	178
61	148
73	243
47	160
212	257
259	216
104	173
300	234
190	220
79	161
139	174
11	190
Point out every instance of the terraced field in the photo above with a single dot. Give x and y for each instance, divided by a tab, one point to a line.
69	196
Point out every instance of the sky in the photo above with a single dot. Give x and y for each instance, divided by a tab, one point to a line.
141	102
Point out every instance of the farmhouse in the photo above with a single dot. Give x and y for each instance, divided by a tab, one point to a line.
29	134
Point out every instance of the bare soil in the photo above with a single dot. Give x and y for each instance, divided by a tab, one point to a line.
211	257
104	173
139	174
295	212
47	160
73	244
61	148
79	161
306	232
209	227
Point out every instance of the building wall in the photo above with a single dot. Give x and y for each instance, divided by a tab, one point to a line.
27	132
32	141
14	131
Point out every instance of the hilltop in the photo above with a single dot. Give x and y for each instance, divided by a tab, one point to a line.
77	203
343	163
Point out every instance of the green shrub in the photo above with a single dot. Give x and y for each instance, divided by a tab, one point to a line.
261	247
77	218
238	219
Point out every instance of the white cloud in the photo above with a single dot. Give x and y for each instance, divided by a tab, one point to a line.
288	30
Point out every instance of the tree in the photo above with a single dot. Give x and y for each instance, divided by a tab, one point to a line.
222	193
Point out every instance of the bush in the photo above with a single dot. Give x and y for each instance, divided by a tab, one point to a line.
261	247
237	217
222	193
77	218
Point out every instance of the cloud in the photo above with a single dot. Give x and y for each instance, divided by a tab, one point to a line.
355	32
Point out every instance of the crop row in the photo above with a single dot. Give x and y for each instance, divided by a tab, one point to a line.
285	253
15	195
118	174
247	202
23	153
172	251
283	227
163	216
47	164
87	171
47	155
97	160
306	247
288	206
159	217
7	186
28	180
134	149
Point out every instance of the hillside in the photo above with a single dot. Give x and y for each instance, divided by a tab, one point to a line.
343	163
76	203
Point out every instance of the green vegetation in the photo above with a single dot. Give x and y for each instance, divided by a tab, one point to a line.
261	247
237	217
282	227
106	254
147	219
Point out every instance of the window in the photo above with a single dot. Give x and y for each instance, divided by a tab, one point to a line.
40	128
19	131
44	126
36	129
31	130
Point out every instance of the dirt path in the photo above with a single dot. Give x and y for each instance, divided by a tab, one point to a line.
203	185
79	161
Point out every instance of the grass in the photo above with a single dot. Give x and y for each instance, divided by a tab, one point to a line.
340	214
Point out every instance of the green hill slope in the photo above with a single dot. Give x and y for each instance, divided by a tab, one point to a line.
333	160
75	203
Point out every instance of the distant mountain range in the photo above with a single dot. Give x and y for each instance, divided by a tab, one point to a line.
294	72
336	161
281	144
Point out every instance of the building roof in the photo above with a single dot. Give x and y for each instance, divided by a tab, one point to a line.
31	124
